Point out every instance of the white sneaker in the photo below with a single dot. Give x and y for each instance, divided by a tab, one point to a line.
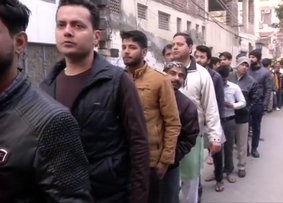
277	109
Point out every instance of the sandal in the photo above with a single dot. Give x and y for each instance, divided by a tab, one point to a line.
209	161
210	178
231	178
219	187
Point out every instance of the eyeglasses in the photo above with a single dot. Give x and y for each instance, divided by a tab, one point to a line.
173	64
12	3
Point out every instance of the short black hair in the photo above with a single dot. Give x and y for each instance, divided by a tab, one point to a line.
204	49
168	46
214	60
266	62
226	54
14	15
187	37
88	4
136	36
224	71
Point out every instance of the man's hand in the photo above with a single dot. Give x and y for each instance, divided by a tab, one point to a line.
215	147
161	169
229	105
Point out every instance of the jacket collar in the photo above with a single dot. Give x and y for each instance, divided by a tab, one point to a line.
15	91
138	72
100	67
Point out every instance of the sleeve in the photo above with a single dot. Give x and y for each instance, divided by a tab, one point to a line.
135	125
219	91
268	90
253	95
170	114
60	164
210	108
240	99
189	131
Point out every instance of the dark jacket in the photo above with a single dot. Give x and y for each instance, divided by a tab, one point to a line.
219	90
264	82
250	91
190	127
41	155
113	132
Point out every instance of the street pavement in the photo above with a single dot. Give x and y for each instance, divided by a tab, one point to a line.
264	180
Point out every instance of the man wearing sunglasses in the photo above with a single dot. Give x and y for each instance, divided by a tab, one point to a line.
41	155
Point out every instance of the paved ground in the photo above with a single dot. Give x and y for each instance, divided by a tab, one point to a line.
264	180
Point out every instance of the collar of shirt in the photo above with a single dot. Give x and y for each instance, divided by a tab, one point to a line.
192	65
138	72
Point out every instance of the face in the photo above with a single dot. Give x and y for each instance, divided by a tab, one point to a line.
11	48
133	55
243	68
216	66
75	35
277	67
181	51
253	59
225	61
177	76
201	58
168	56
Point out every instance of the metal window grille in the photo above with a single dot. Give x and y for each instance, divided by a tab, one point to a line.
142	11
115	6
163	20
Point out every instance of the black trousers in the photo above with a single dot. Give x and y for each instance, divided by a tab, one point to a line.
154	187
218	165
255	122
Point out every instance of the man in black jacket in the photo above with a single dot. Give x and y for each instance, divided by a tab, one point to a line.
189	131
249	89
41	155
105	102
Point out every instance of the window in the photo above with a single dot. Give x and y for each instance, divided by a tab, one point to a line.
142	11
189	24
115	6
163	20
203	32
179	24
50	1
266	16
197	30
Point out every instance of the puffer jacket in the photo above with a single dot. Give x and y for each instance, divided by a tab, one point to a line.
41	155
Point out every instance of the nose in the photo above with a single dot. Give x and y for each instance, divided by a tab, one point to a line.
68	31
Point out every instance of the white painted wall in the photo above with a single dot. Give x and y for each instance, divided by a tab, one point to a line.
42	21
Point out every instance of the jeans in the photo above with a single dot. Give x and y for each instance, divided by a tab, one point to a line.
255	121
170	186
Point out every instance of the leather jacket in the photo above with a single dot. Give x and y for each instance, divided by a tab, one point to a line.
41	155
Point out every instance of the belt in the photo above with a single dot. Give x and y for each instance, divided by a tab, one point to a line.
227	118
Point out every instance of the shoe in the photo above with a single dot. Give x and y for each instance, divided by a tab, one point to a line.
241	173
255	153
277	109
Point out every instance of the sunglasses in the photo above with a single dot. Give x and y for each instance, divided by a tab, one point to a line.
173	64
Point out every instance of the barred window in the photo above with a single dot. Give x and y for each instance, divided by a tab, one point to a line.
163	20
142	11
179	24
115	6
189	24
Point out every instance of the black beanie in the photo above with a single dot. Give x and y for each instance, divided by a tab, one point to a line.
256	53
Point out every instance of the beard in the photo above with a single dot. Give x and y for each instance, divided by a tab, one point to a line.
254	65
134	62
6	61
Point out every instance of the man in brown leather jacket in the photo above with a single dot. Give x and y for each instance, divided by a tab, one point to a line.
159	105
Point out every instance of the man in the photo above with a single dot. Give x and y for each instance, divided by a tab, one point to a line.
167	53
249	89
199	88
234	100
105	103
266	63
188	116
226	59
278	85
203	57
41	155
263	79
214	63
159	105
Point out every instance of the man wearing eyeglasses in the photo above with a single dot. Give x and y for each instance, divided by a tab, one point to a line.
41	155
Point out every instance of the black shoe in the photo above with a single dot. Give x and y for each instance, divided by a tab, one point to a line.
255	153
241	173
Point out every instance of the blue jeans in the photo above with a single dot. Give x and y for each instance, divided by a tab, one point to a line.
170	186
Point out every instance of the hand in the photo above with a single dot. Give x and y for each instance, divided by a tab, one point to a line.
229	105
161	169
215	147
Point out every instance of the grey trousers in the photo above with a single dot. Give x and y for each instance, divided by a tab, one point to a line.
242	131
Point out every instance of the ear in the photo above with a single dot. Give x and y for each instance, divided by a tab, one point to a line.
20	41
144	52
96	37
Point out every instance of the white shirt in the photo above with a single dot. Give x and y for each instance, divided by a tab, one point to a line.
234	96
